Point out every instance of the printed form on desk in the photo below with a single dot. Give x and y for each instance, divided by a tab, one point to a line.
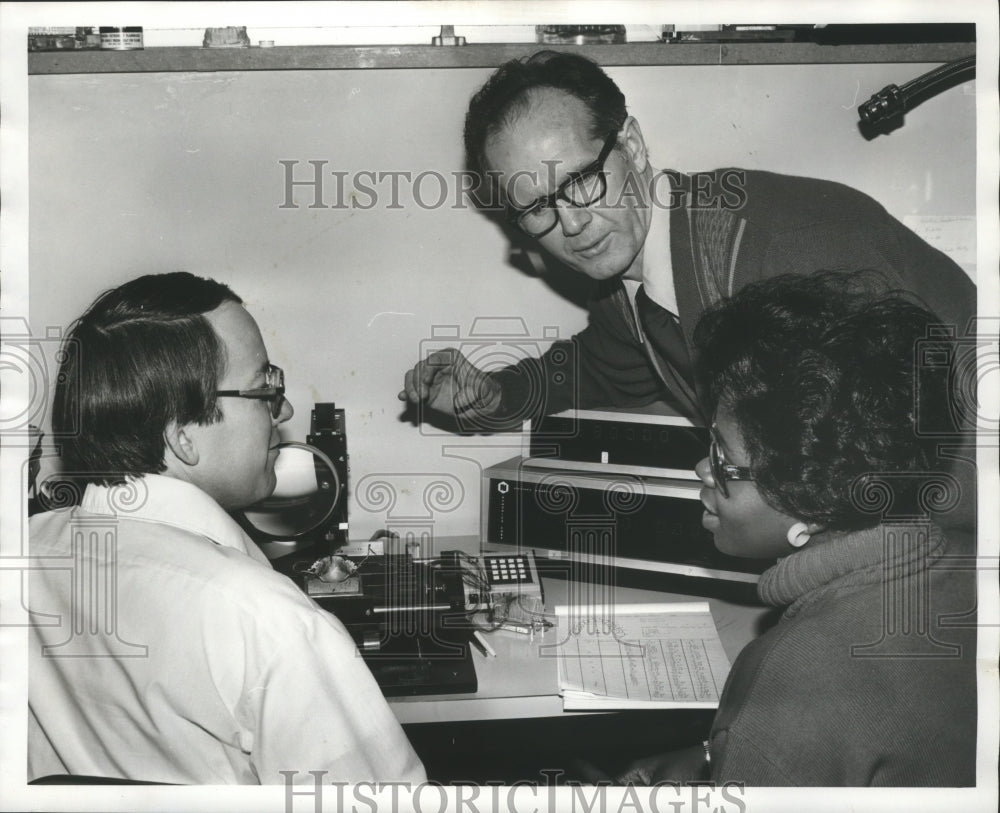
637	656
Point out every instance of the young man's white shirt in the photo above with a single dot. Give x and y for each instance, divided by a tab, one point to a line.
165	648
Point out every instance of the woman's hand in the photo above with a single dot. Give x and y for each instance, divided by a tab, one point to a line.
683	765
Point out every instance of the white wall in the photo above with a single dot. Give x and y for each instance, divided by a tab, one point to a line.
140	173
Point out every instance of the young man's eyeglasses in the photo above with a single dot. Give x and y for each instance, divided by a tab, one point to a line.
273	390
582	188
722	471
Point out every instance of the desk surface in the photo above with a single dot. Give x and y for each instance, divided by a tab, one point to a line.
522	682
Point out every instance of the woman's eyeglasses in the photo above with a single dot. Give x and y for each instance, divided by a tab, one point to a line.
722	470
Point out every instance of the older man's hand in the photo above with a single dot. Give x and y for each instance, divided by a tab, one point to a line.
446	381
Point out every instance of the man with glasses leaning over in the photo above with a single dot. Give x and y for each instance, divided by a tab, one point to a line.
167	649
574	173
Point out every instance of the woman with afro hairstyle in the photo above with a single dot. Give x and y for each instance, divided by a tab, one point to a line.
817	460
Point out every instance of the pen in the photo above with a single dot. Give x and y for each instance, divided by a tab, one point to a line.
487	649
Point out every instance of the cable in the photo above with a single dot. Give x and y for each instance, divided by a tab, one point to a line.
892	101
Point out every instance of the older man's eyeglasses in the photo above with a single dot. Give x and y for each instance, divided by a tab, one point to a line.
722	470
582	188
273	390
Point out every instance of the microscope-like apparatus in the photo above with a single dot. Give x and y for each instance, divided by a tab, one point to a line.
415	620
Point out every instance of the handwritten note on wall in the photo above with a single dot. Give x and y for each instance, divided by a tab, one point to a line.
955	235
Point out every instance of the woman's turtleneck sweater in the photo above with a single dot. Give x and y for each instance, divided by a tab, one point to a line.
869	678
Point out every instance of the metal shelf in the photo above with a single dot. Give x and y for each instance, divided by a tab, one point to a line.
352	57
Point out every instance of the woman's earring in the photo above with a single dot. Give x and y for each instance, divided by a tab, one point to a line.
798	535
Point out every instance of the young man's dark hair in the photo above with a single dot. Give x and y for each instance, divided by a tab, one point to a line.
142	356
507	93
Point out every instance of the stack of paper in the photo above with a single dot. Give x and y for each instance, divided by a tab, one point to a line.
639	656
